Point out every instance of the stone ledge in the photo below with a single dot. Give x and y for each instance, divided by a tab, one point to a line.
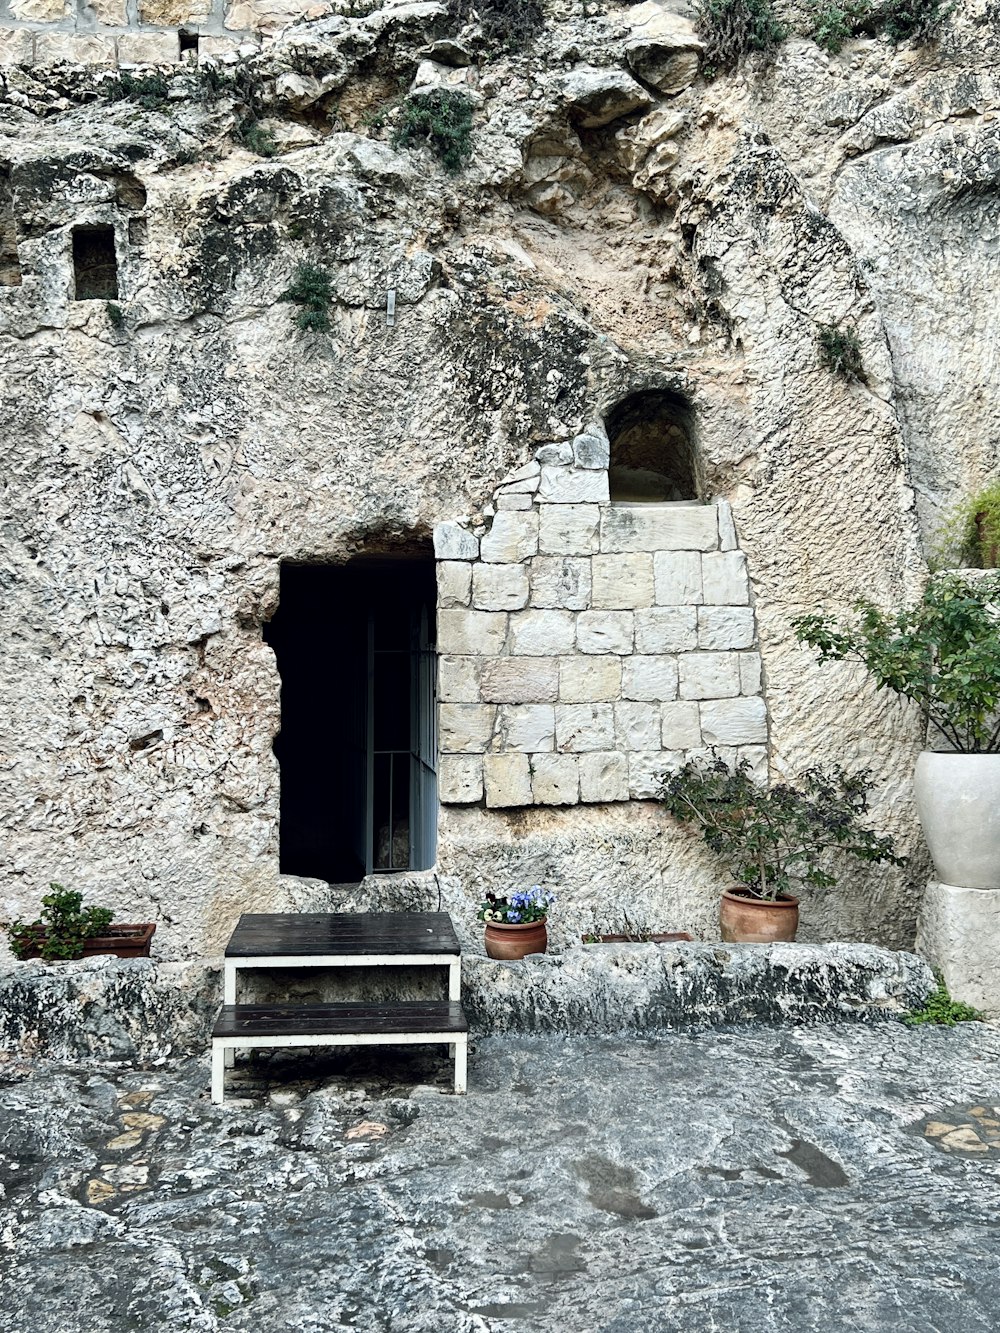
144	1011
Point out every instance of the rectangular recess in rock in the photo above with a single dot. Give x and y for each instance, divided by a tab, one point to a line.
659	527
95	264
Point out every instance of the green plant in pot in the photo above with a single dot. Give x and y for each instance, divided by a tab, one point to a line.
774	838
515	923
66	930
943	654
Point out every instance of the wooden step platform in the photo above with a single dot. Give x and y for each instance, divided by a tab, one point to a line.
268	1026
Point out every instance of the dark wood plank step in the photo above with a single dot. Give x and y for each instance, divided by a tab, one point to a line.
301	934
304	1020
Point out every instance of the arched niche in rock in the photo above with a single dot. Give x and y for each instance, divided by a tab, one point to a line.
653	455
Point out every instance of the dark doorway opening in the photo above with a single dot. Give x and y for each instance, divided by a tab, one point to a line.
653	456
188	43
95	265
358	740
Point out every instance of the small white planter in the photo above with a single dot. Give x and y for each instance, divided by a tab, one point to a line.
958	801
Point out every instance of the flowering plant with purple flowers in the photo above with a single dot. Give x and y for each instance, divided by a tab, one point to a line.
517	909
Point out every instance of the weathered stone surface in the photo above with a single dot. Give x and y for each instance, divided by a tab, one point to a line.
598	96
16	46
677	575
584	727
454	583
750	673
638	726
52	48
563	485
39	11
568	529
605	631
478	633
512	538
453	542
681	726
958	930
174	13
113	13
724	578
622	582
460	778
653	678
561	582
709	675
734	722
518	680
146	48
603	777
724	627
662	527
499	587
589	679
542	633
525	727
591	451
646	770
508	780
555	779
465	728
666	629
458	679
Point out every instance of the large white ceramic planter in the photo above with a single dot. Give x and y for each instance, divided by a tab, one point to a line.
958	801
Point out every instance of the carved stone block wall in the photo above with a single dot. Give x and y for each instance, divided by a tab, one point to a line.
586	647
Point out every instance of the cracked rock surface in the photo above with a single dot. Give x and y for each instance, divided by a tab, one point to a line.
764	1179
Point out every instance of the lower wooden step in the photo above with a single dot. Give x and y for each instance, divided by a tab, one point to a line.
267	1026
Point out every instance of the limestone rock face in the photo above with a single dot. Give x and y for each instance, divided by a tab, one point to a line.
617	230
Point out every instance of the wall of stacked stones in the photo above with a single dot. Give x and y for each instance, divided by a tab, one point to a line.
586	648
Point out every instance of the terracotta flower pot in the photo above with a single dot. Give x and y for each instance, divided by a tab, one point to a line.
748	920
510	942
125	940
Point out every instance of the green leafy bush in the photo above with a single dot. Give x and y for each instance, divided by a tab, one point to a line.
252	136
151	91
920	20
506	25
443	120
116	316
941	1009
732	29
943	654
772	837
312	292
834	22
65	924
971	534
840	352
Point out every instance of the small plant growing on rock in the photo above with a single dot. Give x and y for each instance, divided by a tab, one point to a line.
971	534
65	925
506	25
835	23
443	120
253	137
150	91
943	654
941	1009
517	909
312	292
116	316
840	352
732	29
771	837
920	20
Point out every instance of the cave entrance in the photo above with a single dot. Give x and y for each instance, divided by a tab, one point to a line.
653	457
95	266
358	741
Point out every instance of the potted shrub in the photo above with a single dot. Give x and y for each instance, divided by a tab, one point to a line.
67	929
773	838
944	655
515	925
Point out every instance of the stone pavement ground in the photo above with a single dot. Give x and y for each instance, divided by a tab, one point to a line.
824	1178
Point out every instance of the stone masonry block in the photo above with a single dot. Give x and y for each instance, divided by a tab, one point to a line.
650	678
453	542
474	633
638	725
709	675
520	680
508	780
589	679
750	673
724	578
458	679
560	581
454	583
564	485
621	582
666	629
542	633
734	722
568	529
585	727
677	575
559	452
499	587
646	771
525	727
605	631
16	46
555	779
217	46
756	757
727	528
725	627
465	728
173	13
460	779
659	527
681	726
512	538
40	11
51	48
148	48
513	501
591	451
603	777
